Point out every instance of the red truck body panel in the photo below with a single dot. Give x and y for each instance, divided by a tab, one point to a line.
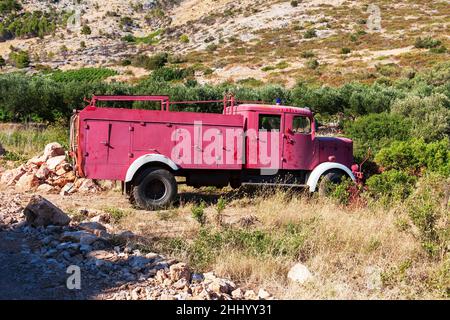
109	140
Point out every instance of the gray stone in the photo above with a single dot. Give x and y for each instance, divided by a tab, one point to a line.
92	226
41	212
197	277
83	237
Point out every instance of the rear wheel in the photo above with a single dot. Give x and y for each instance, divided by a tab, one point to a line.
328	181
155	189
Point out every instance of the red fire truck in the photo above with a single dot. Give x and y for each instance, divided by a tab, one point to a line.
249	143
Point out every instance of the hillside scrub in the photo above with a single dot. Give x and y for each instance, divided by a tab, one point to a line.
352	100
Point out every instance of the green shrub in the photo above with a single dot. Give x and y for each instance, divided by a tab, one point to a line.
6	6
294	3
184	38
20	59
198	213
341	192
220	207
153	62
430	116
282	65
310	33
171	74
86	30
345	50
439	50
392	185
415	156
427	43
30	24
428	210
129	38
376	131
116	214
211	47
312	64
307	54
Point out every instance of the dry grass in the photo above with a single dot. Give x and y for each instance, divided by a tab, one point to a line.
353	253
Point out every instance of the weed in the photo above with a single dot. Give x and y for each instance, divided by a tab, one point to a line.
198	213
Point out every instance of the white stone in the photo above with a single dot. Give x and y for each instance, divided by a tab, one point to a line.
300	273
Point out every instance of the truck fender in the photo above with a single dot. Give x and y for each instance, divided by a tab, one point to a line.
318	171
148	158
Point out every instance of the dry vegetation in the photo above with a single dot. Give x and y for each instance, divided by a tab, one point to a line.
355	252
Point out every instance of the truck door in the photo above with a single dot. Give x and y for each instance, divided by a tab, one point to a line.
297	142
107	149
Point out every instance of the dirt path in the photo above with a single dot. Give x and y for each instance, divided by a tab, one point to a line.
23	275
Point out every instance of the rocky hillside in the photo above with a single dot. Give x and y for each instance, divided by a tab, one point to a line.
332	41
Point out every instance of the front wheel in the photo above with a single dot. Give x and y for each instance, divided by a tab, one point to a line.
156	189
328	181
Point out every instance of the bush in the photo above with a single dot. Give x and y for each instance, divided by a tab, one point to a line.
415	156
198	213
428	210
20	59
312	64
310	33
377	131
439	50
345	50
294	3
153	62
342	192
86	30
211	47
427	43
184	38
6	6
171	74
392	185
30	24
430	116
307	54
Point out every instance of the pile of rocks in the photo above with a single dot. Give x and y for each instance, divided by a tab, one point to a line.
48	173
178	283
112	258
10	210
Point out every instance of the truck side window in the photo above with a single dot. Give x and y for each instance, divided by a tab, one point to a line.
301	125
269	122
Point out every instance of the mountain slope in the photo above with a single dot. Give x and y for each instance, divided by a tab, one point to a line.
251	41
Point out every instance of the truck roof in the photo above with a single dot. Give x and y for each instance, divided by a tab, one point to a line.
274	109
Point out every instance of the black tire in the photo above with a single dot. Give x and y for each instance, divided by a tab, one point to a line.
154	189
326	182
